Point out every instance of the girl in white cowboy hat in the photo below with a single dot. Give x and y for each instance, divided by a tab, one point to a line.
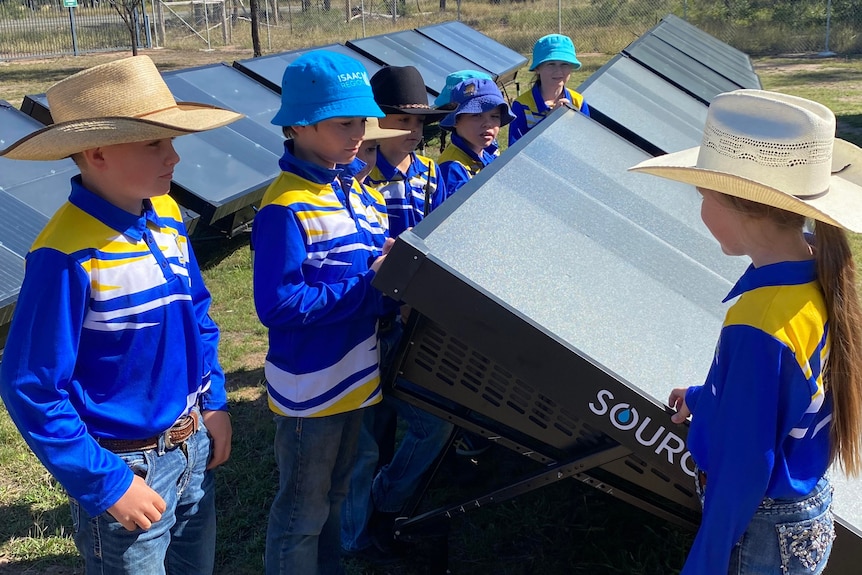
783	398
110	369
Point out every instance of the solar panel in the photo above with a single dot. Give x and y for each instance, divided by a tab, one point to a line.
678	68
644	108
711	48
223	173
558	299
724	59
410	48
36	106
268	70
486	53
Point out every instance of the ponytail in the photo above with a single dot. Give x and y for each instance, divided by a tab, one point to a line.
836	273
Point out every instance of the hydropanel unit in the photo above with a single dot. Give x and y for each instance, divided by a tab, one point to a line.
557	300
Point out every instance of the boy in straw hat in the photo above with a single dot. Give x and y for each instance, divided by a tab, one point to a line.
318	245
783	398
110	368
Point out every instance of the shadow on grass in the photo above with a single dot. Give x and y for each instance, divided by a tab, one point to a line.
20	521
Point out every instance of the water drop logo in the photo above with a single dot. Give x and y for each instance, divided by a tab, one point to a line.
624	416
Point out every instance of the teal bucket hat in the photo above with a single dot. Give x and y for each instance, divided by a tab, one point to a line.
452	80
321	85
554	47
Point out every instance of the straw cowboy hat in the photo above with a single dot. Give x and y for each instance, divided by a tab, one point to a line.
116	103
774	149
373	131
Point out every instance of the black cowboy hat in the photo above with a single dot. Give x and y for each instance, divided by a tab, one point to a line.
401	90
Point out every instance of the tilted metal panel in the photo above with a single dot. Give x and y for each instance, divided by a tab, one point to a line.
710	43
269	70
564	297
410	48
678	68
722	59
486	53
644	108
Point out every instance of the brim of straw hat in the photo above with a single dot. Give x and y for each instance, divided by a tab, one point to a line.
373	131
431	114
61	140
840	205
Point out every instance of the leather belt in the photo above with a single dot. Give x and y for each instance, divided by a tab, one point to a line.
173	437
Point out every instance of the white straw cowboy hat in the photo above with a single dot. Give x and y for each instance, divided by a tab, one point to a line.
773	149
116	103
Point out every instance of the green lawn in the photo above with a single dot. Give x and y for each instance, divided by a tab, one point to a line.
564	528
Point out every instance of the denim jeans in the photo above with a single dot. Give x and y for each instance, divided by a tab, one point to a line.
315	457
182	541
787	536
425	437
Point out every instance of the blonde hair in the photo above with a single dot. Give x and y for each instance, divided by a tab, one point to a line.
836	273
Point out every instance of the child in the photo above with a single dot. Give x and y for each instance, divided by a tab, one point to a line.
783	398
444	100
553	61
410	185
409	182
318	246
479	114
110	369
366	157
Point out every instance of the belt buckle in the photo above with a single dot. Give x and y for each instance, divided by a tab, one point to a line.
168	442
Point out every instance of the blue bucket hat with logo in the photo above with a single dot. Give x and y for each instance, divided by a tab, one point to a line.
476	96
554	47
452	80
320	85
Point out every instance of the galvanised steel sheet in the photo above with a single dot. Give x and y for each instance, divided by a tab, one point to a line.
646	109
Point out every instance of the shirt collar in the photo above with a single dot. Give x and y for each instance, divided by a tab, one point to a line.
488	153
389	171
781	273
116	218
304	169
540	101
350	170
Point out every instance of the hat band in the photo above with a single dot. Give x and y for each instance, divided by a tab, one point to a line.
159	111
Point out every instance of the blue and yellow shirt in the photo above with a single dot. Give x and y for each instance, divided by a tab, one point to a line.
314	243
458	163
111	338
760	423
530	109
405	193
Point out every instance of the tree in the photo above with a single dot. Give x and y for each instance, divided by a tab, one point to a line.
128	11
254	6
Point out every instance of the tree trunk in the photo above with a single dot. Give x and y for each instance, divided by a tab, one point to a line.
255	28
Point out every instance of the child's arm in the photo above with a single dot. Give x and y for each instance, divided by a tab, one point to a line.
518	127
282	295
38	363
214	403
741	415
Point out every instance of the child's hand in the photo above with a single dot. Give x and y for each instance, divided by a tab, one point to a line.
387	245
139	506
677	401
220	431
562	102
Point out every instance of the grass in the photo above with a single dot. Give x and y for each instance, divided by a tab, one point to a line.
566	527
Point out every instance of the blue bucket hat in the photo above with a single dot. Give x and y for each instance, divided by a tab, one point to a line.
476	96
452	80
320	85
554	47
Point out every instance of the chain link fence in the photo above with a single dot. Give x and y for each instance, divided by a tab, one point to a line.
45	27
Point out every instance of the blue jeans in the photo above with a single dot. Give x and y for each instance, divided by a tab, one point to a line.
787	536
182	541
424	439
315	457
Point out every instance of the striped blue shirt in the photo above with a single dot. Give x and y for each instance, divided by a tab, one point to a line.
760	423
458	163
314	244
530	109
405	193
111	338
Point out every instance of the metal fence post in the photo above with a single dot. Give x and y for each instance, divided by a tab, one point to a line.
74	31
826	51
